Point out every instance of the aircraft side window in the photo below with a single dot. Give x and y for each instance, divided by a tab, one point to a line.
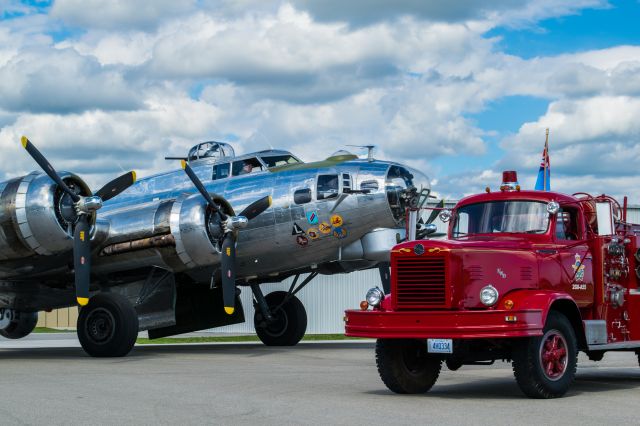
246	166
302	196
327	186
369	185
221	171
346	182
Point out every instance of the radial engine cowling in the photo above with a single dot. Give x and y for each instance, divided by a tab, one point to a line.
196	232
36	217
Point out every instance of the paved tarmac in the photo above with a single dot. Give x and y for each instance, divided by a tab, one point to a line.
312	383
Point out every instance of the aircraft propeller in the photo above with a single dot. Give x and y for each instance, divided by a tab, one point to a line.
84	207
229	225
434	214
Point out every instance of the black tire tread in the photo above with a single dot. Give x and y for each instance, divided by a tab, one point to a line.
126	327
21	328
297	324
393	373
526	367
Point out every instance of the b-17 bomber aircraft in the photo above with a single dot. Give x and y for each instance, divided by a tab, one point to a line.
168	253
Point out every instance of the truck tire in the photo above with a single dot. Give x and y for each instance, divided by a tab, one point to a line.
108	326
290	321
405	366
545	366
21	325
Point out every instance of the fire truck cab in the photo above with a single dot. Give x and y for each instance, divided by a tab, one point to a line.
527	276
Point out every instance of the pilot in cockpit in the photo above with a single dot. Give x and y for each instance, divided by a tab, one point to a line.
247	168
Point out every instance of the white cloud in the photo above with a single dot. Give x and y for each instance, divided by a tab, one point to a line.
118	14
312	77
53	80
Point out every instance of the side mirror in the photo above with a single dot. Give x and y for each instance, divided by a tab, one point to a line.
302	196
604	216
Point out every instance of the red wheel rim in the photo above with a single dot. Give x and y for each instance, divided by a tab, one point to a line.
553	355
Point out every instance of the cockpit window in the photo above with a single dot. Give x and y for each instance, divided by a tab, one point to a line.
246	166
211	149
524	217
221	171
327	186
279	160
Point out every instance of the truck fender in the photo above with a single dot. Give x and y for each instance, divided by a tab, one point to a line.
547	301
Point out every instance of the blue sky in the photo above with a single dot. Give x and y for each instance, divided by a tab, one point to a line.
459	89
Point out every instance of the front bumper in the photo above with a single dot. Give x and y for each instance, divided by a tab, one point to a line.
444	324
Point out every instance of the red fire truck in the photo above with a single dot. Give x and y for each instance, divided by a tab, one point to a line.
527	276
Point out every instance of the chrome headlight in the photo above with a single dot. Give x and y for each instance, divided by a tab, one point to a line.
489	295
445	215
375	296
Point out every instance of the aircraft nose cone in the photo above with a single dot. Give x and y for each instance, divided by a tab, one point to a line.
407	188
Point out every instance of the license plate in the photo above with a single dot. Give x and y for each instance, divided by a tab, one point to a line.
440	346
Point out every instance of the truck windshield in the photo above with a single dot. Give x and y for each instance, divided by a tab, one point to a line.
525	217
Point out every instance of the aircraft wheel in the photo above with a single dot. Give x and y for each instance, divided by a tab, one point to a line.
545	366
16	324
108	326
289	322
405	366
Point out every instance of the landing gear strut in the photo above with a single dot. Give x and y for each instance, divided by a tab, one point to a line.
108	326
280	318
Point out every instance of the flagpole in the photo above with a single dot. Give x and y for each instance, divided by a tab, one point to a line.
544	160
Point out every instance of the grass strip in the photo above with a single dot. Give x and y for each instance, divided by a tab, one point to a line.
51	330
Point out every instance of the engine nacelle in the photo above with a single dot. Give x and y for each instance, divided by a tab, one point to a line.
36	217
178	234
190	223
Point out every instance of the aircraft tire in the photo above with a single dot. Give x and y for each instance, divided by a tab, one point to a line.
20	327
545	366
405	366
289	325
108	326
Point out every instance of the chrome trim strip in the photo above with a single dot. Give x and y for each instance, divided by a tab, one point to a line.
614	346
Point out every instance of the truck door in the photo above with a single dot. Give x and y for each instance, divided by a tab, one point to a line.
575	256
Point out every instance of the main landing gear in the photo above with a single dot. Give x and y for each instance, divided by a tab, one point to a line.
280	318
17	324
108	326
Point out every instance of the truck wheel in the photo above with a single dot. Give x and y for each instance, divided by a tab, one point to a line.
289	322
405	366
545	366
108	326
16	324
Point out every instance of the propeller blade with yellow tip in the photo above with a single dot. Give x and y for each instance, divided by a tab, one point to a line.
116	186
228	265
82	259
47	167
228	260
81	237
257	207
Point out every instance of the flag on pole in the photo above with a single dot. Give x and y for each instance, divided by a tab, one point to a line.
544	174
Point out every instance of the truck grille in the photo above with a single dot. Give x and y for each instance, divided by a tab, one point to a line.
420	283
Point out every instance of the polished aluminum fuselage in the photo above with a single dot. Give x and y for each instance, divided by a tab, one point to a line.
268	246
161	221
